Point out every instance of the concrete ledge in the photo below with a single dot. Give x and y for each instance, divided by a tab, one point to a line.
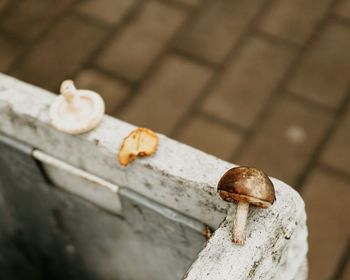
177	176
275	249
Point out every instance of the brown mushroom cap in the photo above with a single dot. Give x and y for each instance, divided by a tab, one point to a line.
247	184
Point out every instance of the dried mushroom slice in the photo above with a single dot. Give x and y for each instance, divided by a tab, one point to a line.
140	142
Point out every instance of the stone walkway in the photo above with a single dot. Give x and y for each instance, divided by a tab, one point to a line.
262	83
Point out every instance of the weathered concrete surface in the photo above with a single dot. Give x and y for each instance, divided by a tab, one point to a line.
81	183
275	247
32	246
60	236
178	177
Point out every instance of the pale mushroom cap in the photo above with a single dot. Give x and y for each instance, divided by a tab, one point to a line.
247	184
76	111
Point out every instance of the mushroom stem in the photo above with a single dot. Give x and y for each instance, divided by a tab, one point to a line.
239	223
70	93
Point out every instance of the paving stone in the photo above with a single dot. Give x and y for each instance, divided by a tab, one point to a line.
343	8
133	50
112	90
58	56
327	199
9	50
323	74
285	141
110	11
346	273
190	2
3	3
210	136
293	20
167	95
28	18
337	152
249	80
214	30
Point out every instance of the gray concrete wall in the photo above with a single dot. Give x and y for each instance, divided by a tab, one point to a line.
165	202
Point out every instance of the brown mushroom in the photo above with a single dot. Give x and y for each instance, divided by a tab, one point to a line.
245	185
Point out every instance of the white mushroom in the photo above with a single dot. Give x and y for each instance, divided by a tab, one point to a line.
76	111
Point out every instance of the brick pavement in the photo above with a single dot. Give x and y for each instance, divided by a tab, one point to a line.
343	8
294	20
264	83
